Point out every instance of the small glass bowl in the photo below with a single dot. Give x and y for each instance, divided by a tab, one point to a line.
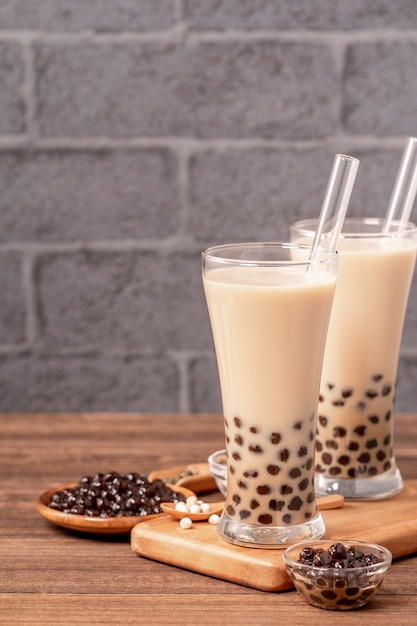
218	468
337	588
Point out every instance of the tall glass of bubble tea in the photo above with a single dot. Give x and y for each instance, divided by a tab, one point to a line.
269	308
354	443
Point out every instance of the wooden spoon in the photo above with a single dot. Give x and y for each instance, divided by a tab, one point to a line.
215	508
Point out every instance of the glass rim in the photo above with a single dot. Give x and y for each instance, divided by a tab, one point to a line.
306	227
216	254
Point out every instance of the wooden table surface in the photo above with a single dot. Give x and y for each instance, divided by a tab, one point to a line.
51	576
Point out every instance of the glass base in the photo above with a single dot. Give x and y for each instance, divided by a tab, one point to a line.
256	536
377	487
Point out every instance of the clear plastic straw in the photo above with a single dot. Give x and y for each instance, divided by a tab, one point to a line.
336	200
405	188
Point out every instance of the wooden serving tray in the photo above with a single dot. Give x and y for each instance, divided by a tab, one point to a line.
392	523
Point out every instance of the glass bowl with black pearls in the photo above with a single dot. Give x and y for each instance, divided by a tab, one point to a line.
337	574
218	468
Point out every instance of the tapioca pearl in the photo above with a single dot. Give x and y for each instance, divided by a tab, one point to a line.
263	490
256	449
338	402
298	425
237	422
303	484
365	457
360	406
253	429
295	472
232	469
311	435
273	469
239	440
330	386
319	446
353	446
380	455
236	456
371	443
254	504
352	473
386	390
284	455
285	490
371	394
372	471
236	499
227	439
335	470
244	514
309	464
230	510
241	484
388	416
326	458
329	594
323	420
265	519
387	439
339	431
321	398
276	505
387	466
251	474
310	498
331	443
376	377
344	459
302	451
360	430
295	504
347	393
275	438
287	518
374	419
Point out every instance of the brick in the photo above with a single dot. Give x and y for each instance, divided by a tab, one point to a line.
205	89
106	383
379	88
84	195
13	305
299	14
81	15
204	385
12	107
145	302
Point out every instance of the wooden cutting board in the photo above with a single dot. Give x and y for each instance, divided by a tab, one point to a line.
392	523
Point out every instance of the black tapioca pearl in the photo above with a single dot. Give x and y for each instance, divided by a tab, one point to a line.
372	471
352	473
295	504
374	419
241	484
360	406
353	446
318	468
253	429
310	497
323	420
387	466
237	422
364	457
326	458
334	470
275	438
347	393
298	425
371	443
377	377
311	435
331	444
380	455
338	402
329	594
255	448
250	474
330	386
387	439
339	431
321	398
244	514
236	498
254	504
265	519
276	505
284	455
239	440
303	484
236	456
302	451
273	469
287	518
230	510
344	459
285	490
232	469
319	446
263	489
295	472
227	439
360	430
388	416
371	394
386	390
309	464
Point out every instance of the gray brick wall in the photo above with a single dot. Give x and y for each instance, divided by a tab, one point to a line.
134	133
